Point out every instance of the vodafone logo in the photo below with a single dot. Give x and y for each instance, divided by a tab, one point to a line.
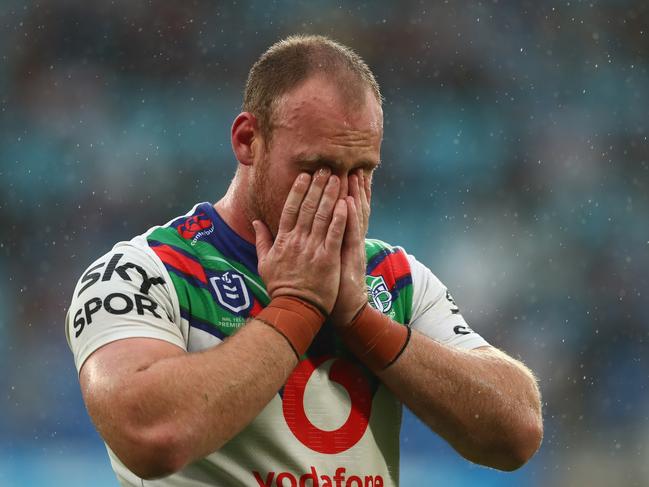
352	379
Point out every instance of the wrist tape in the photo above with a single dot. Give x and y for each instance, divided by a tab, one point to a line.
375	339
294	318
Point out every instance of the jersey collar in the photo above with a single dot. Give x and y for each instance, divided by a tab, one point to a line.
229	242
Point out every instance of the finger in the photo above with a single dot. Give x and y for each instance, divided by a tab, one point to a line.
263	239
353	231
312	200
355	193
367	184
365	199
353	185
325	210
336	232
293	202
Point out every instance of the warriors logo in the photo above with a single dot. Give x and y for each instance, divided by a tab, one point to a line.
378	294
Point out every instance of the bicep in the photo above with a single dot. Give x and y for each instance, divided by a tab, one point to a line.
111	365
108	370
121	321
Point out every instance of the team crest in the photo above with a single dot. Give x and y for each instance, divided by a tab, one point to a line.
231	291
378	293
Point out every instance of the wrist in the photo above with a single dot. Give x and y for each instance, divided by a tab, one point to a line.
320	301
297	319
344	316
344	320
375	339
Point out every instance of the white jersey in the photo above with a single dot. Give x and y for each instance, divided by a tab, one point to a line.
341	426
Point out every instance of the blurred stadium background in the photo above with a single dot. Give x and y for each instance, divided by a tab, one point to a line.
516	165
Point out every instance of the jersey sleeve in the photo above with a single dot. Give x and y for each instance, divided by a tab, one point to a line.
124	294
434	312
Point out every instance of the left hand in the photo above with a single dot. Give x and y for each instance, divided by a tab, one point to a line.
352	293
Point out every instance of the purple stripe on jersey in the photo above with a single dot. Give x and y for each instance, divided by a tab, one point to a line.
398	286
378	258
200	324
228	242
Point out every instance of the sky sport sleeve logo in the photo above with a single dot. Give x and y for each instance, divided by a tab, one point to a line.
116	303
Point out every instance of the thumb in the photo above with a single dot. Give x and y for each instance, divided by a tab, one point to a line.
263	238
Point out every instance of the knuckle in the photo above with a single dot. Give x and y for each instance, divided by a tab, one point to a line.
336	232
298	243
321	217
308	206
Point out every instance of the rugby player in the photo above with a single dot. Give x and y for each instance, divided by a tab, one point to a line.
263	340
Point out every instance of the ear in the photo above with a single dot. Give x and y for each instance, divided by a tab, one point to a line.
246	139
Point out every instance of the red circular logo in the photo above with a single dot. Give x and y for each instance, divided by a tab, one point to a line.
349	376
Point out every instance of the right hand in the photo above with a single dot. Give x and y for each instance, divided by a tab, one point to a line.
304	260
352	293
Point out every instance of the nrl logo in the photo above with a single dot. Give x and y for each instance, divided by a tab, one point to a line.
378	294
231	291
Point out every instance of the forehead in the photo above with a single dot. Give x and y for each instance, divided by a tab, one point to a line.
318	112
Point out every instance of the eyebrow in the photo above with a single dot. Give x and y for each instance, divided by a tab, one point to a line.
317	160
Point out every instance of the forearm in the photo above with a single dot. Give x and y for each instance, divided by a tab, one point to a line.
485	404
159	408
196	402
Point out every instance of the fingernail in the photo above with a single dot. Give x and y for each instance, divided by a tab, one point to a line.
323	171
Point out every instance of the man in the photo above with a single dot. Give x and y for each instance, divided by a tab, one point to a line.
205	359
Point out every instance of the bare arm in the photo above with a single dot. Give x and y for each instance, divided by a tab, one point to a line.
484	403
159	408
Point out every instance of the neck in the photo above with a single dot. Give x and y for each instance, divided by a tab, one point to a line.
233	208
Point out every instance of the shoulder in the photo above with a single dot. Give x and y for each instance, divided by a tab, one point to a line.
134	254
125	293
378	251
397	265
375	243
184	229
